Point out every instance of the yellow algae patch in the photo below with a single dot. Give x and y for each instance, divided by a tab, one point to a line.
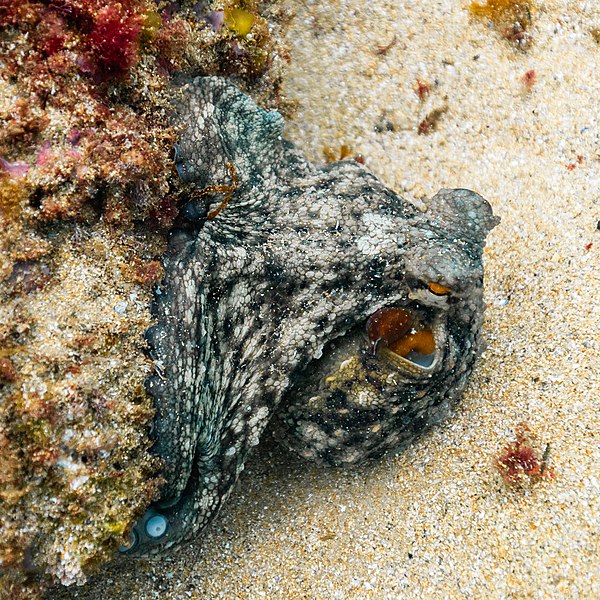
239	21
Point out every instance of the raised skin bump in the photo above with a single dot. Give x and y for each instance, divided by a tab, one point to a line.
264	309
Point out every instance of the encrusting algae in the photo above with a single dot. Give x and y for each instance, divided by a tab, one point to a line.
88	192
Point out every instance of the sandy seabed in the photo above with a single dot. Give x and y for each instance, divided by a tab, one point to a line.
437	521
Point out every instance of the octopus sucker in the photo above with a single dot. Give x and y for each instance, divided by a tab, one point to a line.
311	298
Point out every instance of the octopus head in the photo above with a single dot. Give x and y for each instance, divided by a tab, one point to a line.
406	358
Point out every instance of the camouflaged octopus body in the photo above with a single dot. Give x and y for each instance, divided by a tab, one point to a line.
264	309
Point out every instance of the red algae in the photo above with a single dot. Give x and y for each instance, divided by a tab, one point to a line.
422	90
519	463
431	120
528	79
114	40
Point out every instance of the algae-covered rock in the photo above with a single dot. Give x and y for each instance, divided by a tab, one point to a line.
88	192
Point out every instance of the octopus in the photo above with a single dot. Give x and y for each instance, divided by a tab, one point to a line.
311	298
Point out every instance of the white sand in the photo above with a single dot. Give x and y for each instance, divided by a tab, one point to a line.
437	521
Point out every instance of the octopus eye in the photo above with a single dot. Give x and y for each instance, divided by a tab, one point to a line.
388	325
438	289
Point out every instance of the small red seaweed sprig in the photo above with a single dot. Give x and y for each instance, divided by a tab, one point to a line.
528	79
519	463
114	39
422	89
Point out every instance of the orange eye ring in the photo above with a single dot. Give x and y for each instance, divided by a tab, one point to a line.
438	289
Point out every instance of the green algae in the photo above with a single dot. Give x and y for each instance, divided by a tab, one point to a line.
239	21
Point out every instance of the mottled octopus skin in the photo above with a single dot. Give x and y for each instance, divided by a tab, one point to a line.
262	313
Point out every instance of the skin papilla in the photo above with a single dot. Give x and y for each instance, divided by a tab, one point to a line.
317	298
